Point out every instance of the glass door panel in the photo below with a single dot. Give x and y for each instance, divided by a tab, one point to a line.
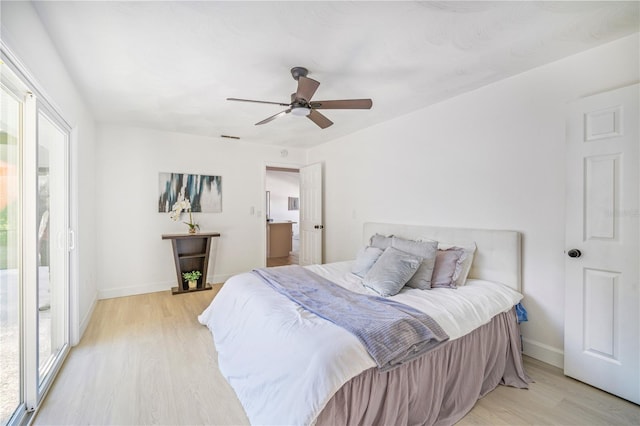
34	257
10	284
52	243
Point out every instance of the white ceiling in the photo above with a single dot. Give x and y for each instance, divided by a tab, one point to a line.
170	65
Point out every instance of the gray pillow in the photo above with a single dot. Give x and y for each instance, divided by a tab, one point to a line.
380	241
448	263
466	259
427	250
365	259
391	272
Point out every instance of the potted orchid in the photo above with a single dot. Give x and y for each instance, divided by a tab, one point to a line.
184	205
192	278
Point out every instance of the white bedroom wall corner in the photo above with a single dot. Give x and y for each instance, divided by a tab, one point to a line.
84	178
83	223
84	322
542	352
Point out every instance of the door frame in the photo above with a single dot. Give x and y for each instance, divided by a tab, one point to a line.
261	212
37	99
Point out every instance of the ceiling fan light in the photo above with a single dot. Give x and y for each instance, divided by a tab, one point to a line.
301	111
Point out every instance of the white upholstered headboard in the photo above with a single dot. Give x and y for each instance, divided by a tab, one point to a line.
498	254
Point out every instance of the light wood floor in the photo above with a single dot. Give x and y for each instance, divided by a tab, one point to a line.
292	259
146	360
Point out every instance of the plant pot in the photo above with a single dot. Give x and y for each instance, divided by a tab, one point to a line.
193	284
193	230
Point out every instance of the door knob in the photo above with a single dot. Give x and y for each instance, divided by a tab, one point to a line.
574	253
319	227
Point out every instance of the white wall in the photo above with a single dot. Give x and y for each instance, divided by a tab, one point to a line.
132	257
492	158
25	36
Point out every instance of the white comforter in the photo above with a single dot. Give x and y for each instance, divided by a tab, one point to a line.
285	363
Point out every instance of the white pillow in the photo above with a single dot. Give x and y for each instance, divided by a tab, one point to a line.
380	241
460	278
427	250
365	259
391	272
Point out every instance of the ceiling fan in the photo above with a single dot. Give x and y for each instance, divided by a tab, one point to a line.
302	105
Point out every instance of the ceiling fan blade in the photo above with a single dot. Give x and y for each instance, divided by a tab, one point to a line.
306	88
343	104
259	102
322	121
273	117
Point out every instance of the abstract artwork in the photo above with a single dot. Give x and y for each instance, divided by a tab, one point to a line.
204	192
293	203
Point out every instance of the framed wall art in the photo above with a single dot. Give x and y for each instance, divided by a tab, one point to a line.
293	203
203	191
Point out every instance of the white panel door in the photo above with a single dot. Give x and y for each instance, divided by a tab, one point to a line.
311	227
602	298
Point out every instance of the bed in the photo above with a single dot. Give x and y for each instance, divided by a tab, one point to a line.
289	366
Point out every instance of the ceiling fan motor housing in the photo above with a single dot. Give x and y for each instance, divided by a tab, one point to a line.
298	72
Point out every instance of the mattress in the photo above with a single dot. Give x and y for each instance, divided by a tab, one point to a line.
285	364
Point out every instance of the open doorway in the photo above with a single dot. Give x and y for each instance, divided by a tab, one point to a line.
283	215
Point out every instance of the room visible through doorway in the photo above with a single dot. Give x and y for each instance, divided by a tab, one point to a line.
283	215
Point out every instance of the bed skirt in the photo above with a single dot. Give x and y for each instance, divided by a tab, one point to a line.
438	388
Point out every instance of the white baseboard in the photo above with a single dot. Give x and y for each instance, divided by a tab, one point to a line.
85	321
544	353
111	293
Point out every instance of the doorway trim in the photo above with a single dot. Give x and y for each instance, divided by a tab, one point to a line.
261	212
36	101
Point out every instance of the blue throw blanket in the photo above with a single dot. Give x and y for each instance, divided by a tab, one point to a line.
392	332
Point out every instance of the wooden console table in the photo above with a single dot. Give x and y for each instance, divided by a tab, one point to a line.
191	253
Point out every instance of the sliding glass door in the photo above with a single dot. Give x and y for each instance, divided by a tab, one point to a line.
52	208
11	395
34	245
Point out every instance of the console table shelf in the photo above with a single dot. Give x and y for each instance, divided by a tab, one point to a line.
191	253
191	256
